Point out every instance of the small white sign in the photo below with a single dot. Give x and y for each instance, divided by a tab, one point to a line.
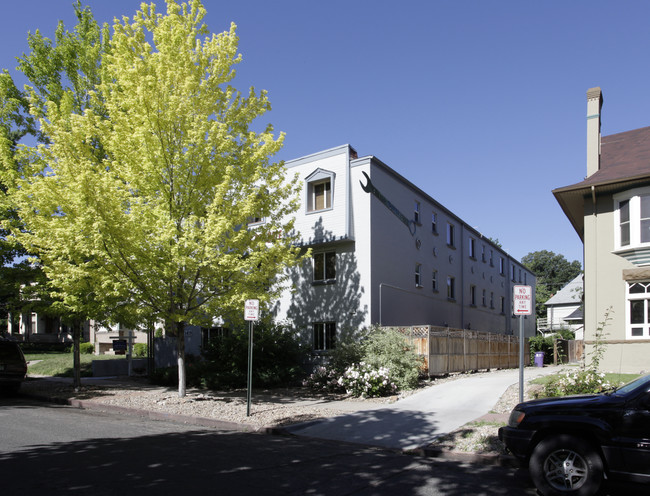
522	299
252	310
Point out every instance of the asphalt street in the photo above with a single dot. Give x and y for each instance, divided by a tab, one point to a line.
56	450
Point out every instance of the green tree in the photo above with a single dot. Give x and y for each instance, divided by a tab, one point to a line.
69	64
553	272
145	195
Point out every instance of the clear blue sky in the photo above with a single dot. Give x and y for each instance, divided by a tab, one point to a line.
480	103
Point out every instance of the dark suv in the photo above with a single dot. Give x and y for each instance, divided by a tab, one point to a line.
571	444
13	367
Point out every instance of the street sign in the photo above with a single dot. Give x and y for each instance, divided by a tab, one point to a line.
252	310
522	299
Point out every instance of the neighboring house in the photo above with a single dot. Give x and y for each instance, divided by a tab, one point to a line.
385	252
33	327
564	309
610	210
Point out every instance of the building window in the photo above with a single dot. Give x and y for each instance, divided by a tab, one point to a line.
324	336
483	298
320	186
633	218
638	313
416	212
472	248
492	300
503	304
451	288
501	266
325	266
320	195
513	273
434	223
451	235
434	280
483	253
418	275
472	295
491	258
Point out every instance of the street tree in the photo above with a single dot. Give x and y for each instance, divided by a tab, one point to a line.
68	64
553	272
160	192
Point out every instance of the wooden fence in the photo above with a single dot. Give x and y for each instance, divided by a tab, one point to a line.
448	350
568	351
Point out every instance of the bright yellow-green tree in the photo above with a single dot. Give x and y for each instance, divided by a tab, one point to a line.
150	194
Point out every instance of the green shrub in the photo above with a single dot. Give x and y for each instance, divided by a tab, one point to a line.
389	349
278	358
541	343
140	350
84	348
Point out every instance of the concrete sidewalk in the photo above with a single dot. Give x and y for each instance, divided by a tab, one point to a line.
418	420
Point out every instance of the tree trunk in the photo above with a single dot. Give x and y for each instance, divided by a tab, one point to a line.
180	343
76	340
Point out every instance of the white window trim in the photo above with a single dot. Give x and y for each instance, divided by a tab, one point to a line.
634	197
628	325
317	177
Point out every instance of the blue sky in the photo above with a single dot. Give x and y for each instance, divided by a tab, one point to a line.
482	104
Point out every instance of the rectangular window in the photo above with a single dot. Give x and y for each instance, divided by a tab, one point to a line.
501	266
472	248
645	219
638	318
503	304
483	253
434	223
320	195
451	235
451	288
418	275
492	300
416	212
434	281
483	298
513	273
324	336
491	258
472	295
325	266
624	212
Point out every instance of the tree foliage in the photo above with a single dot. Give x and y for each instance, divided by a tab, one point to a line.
553	272
142	192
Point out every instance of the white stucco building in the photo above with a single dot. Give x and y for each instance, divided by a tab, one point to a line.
385	252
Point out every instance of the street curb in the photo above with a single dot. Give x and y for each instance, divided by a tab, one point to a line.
507	461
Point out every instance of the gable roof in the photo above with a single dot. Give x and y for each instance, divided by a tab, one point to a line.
569	294
624	163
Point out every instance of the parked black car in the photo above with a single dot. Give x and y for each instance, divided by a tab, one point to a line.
13	367
572	443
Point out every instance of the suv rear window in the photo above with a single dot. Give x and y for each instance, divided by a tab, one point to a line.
9	351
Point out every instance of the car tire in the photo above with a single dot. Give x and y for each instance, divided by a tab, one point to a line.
565	465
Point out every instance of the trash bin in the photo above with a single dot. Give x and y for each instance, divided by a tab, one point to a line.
539	359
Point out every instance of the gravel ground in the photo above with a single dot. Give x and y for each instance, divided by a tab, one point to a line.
271	408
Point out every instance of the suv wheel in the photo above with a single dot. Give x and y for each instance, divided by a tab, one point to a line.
566	465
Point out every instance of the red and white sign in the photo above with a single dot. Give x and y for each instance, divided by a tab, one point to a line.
522	300
252	310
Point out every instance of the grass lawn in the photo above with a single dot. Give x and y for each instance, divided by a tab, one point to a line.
60	364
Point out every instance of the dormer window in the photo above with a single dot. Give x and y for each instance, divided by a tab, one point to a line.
320	187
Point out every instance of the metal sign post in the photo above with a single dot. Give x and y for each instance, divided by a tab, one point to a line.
522	300
251	313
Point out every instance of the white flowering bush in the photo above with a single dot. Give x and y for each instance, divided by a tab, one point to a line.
324	379
366	381
577	382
